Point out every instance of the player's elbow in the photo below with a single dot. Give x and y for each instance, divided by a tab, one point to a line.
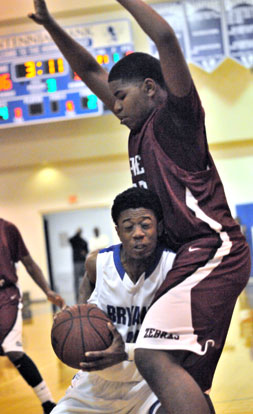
166	38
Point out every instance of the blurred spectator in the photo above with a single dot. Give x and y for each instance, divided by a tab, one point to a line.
98	241
79	253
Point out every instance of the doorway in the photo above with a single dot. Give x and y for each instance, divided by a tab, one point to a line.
58	228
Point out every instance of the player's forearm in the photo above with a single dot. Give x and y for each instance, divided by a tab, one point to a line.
149	20
80	60
36	273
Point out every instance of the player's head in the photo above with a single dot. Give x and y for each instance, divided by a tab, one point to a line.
137	83
137	213
136	67
136	197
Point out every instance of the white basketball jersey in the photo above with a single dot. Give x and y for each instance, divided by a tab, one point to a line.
124	301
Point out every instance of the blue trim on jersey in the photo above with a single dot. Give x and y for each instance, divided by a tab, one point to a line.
116	257
107	249
117	261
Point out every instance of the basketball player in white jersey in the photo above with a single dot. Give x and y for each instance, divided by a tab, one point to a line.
124	279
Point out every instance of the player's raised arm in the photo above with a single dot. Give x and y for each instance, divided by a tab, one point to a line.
80	60
174	67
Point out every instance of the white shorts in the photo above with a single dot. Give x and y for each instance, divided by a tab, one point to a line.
13	341
89	393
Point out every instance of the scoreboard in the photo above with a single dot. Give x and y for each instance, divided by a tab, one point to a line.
36	82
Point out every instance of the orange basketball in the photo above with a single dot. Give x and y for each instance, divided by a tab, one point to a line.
79	329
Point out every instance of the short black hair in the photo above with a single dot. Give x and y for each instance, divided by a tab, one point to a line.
136	197
136	67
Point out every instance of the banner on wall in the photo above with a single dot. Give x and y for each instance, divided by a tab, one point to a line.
239	26
209	31
206	35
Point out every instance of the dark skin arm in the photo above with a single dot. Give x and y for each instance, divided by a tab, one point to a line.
80	60
36	274
89	280
174	67
115	353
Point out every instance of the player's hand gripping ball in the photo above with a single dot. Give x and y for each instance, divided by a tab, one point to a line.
78	329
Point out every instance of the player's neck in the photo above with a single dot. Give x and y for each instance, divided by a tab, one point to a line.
135	267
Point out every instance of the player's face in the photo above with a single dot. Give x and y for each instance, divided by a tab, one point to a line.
132	103
138	232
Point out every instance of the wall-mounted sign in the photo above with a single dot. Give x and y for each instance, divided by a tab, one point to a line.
37	84
239	24
206	43
211	30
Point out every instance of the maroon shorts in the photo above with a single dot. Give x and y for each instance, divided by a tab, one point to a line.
193	307
9	300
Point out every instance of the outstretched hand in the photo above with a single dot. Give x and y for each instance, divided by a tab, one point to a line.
113	355
56	299
41	15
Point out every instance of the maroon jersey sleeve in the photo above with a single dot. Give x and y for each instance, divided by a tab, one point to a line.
16	244
179	127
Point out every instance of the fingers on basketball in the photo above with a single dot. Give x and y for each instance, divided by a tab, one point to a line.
79	329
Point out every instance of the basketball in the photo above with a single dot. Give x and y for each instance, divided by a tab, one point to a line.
79	329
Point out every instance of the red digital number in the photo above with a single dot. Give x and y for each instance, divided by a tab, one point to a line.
76	77
5	82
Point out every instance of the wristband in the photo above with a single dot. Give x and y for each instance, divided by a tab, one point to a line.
129	348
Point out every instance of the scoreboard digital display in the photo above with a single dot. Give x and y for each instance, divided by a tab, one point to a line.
36	82
31	69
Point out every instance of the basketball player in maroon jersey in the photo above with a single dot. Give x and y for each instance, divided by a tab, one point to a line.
168	153
13	250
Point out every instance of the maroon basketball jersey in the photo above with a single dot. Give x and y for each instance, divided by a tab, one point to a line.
12	249
193	199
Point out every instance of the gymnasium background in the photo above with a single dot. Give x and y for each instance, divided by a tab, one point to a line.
74	164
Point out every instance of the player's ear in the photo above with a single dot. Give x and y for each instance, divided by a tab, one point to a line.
149	86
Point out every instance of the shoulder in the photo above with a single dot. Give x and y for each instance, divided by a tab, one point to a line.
168	258
165	251
91	260
168	252
178	111
91	266
7	224
11	229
